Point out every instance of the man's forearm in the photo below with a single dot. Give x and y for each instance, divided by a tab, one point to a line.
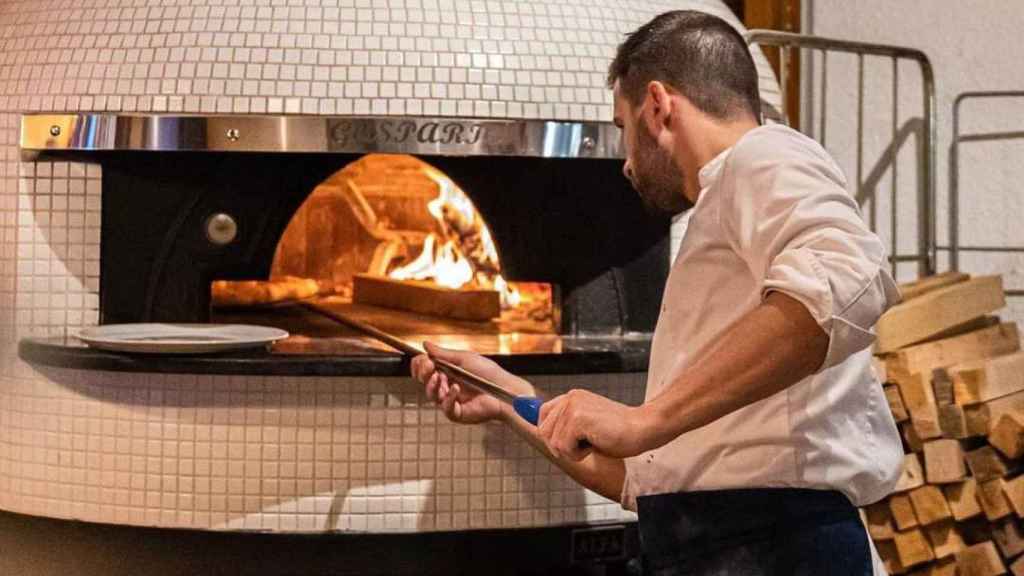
771	348
602	474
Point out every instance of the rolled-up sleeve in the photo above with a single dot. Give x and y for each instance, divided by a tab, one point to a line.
801	234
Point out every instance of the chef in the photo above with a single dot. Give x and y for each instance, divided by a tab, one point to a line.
763	425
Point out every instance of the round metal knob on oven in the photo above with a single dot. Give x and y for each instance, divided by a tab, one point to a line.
588	144
221	229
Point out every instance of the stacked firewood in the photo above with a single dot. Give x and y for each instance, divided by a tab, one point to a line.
954	378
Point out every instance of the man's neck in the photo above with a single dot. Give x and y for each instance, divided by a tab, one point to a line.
706	143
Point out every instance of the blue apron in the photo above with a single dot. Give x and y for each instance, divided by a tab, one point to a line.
752	532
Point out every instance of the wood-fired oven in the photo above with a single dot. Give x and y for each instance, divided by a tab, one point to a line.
526	244
208	161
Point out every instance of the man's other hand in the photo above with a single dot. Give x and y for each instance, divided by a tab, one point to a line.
578	422
460	403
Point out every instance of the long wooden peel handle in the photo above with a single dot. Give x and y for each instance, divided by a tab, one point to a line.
451	370
528	407
365	328
460	373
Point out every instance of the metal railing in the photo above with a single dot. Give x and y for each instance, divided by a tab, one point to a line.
788	42
955	247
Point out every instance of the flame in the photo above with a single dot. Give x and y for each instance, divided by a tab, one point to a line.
510	297
464	252
444	265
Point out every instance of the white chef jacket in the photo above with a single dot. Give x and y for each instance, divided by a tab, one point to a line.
773	215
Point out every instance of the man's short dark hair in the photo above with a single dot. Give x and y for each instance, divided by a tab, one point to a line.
699	55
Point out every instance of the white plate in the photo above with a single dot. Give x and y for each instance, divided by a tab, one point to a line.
179	338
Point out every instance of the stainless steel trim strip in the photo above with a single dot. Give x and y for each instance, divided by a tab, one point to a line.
86	132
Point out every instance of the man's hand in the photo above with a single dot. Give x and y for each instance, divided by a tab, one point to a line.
459	403
611	428
599	472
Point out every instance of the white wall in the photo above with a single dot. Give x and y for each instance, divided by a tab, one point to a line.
976	45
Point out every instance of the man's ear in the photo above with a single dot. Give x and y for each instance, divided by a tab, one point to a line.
661	106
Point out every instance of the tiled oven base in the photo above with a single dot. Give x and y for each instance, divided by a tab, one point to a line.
278	454
29	545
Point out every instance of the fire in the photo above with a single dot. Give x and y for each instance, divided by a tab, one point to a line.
464	252
444	265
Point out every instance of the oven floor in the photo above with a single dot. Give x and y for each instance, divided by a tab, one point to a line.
313	333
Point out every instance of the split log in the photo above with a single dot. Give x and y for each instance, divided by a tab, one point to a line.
910	436
919	398
942	386
896	406
944	462
1009	537
979	323
927	284
1014	492
993	501
878	519
985	463
890	558
1007	435
978	419
929	315
953	422
980	560
996	340
945	539
1009	403
902	512
925	421
963	499
912	547
912	475
977	381
426	298
878	365
916	392
929	505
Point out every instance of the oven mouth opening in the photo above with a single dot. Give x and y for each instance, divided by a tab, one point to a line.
174	224
391	241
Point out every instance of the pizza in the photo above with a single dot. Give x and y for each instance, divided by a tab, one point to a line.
241	293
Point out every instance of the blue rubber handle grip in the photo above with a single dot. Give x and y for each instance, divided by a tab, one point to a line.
528	408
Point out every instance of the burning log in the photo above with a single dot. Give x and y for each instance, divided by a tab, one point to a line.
426	298
398	233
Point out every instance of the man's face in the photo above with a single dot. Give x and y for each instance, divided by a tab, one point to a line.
650	168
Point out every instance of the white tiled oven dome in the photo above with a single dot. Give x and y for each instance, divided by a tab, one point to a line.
468	58
260	452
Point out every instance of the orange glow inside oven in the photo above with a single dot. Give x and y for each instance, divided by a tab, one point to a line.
393	241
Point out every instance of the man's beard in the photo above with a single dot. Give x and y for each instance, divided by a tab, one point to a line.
657	178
